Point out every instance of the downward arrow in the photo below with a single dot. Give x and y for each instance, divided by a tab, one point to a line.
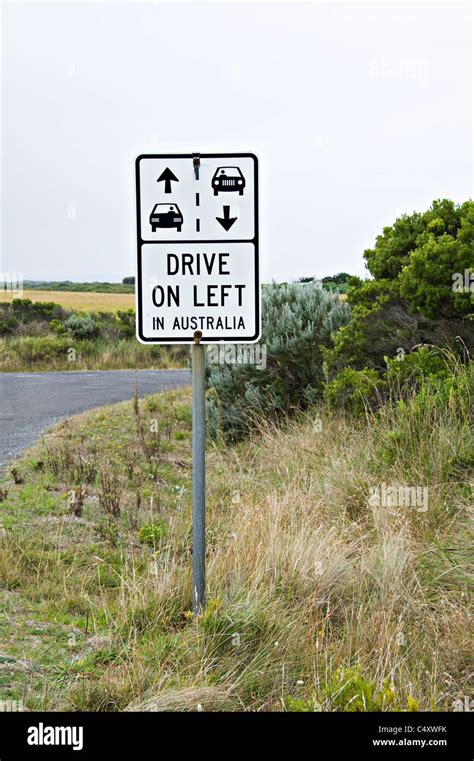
167	176
226	221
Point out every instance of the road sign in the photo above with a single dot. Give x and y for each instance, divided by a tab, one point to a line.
197	239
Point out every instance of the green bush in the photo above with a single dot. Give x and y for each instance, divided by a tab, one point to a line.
152	533
33	350
21	313
354	390
417	366
298	320
7	326
81	326
427	375
347	689
126	320
420	266
418	406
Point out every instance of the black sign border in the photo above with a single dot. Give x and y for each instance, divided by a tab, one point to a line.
140	242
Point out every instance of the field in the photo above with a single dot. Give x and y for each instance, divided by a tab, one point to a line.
77	300
317	598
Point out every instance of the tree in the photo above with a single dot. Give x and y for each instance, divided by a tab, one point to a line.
443	254
422	291
340	278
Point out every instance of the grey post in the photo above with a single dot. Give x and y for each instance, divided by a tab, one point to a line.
199	474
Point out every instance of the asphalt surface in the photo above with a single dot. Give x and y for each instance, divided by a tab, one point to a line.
30	403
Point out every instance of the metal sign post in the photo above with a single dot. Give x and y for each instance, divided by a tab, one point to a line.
199	474
197	277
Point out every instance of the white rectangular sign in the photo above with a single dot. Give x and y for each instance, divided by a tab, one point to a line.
197	240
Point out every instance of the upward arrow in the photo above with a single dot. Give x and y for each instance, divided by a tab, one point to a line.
226	221
167	176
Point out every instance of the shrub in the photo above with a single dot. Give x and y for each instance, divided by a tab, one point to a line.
126	321
354	390
415	409
57	326
152	533
415	298
25	317
427	374
39	349
348	689
81	326
426	361
7	326
298	320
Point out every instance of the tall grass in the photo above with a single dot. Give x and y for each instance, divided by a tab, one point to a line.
317	600
44	353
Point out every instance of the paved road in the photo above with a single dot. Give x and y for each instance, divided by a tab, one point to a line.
32	402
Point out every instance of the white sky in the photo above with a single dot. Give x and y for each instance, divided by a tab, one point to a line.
357	111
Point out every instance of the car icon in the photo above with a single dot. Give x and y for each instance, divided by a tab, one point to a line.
228	179
166	215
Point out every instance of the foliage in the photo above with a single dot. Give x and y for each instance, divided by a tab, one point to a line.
81	326
422	293
152	533
393	249
34	350
444	252
69	285
126	318
62	353
346	689
425	362
349	690
354	390
427	373
24	312
46	336
421	254
339	282
298	320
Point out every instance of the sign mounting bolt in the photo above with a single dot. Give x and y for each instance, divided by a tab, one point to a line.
196	164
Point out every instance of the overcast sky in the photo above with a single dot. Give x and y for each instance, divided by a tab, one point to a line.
358	112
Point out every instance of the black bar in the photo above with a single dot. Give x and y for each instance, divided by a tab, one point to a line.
346	735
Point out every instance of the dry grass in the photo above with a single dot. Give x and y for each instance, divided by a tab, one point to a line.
46	353
77	300
316	600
